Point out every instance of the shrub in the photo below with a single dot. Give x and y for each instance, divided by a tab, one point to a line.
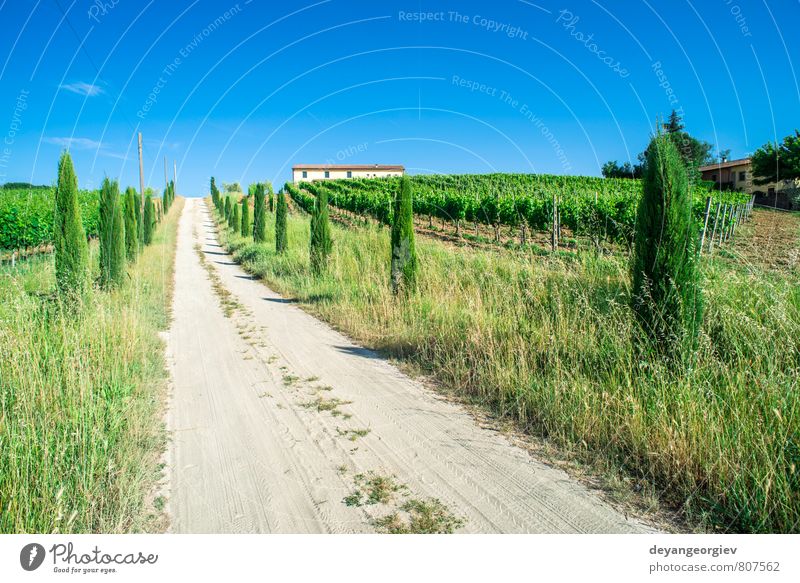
666	293
69	239
112	235
404	253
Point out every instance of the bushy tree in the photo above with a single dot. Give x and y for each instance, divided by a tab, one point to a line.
613	169
281	235
320	233
236	223
666	295
775	164
131	226
404	253
247	229
69	238
259	216
149	220
111	230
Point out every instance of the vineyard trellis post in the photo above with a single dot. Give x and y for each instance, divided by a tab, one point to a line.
722	224
714	230
554	234
705	223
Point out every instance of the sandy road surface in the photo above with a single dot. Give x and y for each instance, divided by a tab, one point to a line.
259	443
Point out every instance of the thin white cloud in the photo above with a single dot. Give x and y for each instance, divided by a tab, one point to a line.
77	143
82	88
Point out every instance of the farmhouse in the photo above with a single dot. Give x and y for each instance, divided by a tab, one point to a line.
311	172
737	175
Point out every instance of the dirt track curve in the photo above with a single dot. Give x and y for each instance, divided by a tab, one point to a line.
276	419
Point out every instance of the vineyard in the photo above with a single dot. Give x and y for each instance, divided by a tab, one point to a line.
26	216
597	207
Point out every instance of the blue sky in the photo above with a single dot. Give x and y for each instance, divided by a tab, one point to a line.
243	90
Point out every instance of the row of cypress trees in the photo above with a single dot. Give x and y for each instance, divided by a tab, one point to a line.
666	293
123	229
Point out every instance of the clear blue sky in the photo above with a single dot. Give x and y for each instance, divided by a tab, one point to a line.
246	89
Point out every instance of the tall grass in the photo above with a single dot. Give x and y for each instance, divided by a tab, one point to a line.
547	341
81	396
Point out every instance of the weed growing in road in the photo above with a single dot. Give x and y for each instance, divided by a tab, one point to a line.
332	405
290	379
352	434
227	301
372	488
420	517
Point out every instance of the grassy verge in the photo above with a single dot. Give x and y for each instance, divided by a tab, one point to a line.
547	342
81	396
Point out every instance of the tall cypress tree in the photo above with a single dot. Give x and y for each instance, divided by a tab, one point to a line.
281	236
246	229
69	238
236	224
149	220
666	295
259	216
214	193
139	218
320	233
111	230
228	209
404	253
131	228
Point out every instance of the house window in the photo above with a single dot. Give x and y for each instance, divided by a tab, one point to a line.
305	174
327	174
349	174
742	176
714	177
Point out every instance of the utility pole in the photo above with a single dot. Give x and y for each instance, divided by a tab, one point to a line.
141	173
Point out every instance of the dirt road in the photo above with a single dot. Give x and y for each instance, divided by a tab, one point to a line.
280	424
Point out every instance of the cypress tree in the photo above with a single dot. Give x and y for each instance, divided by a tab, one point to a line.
139	218
111	229
228	209
259	216
404	253
666	295
246	229
320	233
281	236
69	238
236	225
149	220
214	193
131	227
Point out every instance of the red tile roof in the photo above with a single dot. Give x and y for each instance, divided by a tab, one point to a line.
385	167
728	164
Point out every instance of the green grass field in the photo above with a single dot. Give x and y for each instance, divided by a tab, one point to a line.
83	396
546	340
